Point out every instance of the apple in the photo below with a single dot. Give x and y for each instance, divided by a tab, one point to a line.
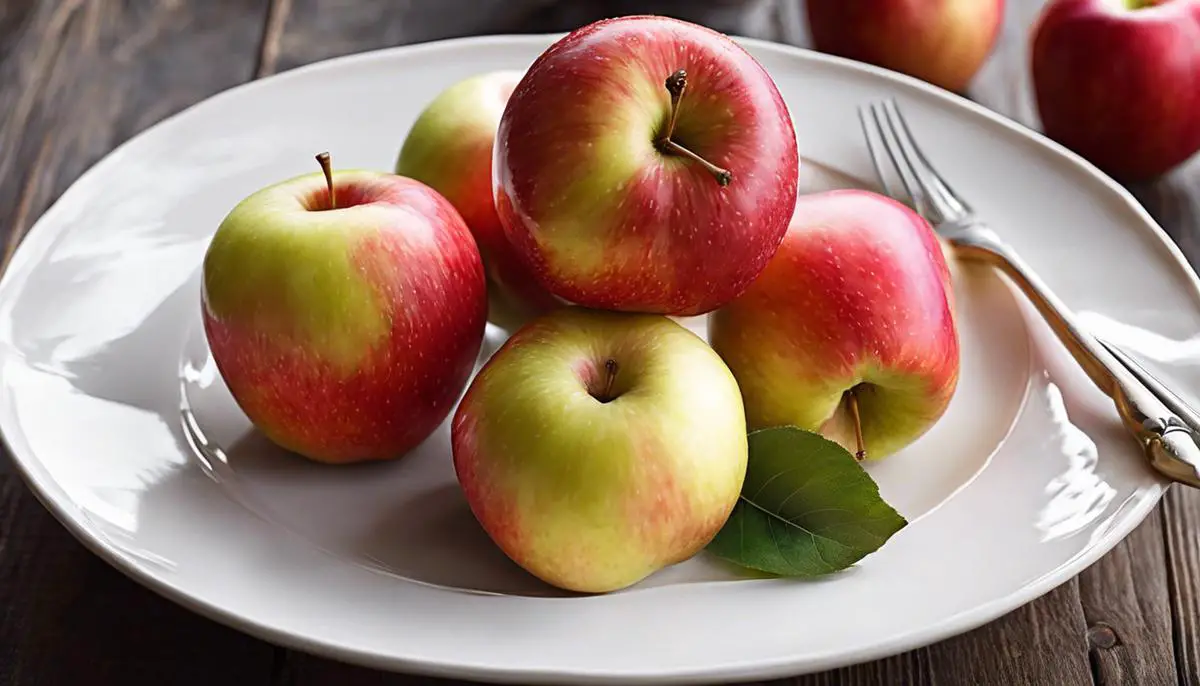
943	42
449	148
850	330
645	164
597	447
1118	81
344	313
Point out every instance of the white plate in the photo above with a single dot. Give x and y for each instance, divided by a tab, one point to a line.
1028	478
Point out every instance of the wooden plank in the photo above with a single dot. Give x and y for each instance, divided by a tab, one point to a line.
1175	203
913	668
68	618
1040	643
1126	604
300	669
304	31
76	78
1181	524
30	45
80	76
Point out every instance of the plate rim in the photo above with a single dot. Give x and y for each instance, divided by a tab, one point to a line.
44	489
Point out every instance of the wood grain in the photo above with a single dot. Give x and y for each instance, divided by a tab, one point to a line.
1125	603
31	41
1181	524
69	618
78	77
310	30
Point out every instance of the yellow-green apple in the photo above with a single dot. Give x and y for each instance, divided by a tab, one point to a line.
1118	81
344	313
449	148
944	42
598	447
645	164
850	329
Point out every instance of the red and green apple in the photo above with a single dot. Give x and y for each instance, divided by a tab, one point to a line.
344	311
449	148
943	42
850	330
598	447
645	164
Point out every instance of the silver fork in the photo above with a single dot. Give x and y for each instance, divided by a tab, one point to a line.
1162	422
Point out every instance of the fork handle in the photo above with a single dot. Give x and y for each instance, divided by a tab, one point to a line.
1086	350
1167	442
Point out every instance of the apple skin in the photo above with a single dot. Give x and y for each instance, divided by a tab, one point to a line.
858	293
449	148
943	42
602	216
1120	87
594	496
347	334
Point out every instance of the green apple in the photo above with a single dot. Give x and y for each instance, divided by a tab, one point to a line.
598	447
850	329
449	148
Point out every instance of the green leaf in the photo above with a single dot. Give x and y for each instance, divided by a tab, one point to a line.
807	508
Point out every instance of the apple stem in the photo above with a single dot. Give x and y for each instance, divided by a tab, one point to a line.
852	403
676	84
610	369
723	176
323	160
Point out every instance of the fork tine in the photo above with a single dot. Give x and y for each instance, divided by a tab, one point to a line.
877	159
930	180
894	152
903	159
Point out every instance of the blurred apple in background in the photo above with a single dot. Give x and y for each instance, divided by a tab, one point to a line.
1118	81
344	323
850	329
646	164
598	447
449	148
943	42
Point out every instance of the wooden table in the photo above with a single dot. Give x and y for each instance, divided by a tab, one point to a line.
78	77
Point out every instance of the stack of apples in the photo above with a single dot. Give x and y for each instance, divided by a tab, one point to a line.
641	170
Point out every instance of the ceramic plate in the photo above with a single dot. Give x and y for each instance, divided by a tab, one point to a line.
118	420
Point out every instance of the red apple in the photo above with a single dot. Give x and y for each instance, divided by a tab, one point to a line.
646	164
850	324
449	148
344	315
944	42
1118	81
